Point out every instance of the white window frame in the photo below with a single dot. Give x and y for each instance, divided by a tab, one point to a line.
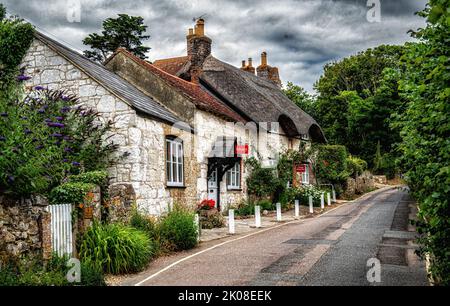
305	175
234	177
174	163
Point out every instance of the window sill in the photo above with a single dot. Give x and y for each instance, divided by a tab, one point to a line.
176	186
234	189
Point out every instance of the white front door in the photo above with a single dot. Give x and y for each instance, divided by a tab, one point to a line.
213	187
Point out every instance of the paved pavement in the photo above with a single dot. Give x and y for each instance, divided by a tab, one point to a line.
331	249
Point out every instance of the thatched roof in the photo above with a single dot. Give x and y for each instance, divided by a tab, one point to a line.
255	98
258	98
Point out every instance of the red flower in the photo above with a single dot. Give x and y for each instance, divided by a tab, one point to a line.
207	204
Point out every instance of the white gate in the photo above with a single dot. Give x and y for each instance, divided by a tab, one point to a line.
61	227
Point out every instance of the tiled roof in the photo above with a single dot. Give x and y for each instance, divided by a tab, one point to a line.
194	92
173	65
111	81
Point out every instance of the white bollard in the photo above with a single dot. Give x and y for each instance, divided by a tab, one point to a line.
278	212
231	222
197	224
328	199
322	201
297	209
334	196
257	216
311	207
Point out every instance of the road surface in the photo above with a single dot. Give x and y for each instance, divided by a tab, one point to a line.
332	249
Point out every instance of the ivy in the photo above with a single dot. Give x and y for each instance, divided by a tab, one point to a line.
70	193
16	37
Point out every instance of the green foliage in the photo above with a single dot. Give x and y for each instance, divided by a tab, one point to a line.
16	37
146	224
99	178
32	272
44	138
262	182
245	208
70	193
116	248
266	205
331	164
357	97
124	31
355	166
301	98
303	192
178	230
425	131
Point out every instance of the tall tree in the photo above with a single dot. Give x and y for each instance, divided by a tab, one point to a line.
125	31
300	97
356	97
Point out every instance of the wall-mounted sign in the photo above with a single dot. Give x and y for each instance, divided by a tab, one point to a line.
300	168
242	149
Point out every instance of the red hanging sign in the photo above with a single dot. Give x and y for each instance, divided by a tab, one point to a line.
300	168
242	149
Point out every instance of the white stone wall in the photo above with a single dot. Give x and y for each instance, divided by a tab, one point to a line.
262	146
144	138
141	137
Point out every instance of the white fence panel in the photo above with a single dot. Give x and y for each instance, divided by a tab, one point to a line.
61	226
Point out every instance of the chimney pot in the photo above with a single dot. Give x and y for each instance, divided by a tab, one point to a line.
191	32
243	64
250	62
264	59
200	28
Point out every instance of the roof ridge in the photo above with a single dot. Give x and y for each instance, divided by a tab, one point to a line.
196	91
123	90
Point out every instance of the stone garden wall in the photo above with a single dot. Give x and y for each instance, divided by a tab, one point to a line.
24	228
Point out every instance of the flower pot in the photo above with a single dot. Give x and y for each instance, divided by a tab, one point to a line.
88	212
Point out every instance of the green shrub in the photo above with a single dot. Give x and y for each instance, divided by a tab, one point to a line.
355	166
99	177
178	230
145	224
262	182
331	165
70	193
425	130
266	205
31	272
245	209
116	248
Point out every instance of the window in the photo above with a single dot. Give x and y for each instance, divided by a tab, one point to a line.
234	177
174	162
305	175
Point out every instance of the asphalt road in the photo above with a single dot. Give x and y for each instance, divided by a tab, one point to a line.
332	249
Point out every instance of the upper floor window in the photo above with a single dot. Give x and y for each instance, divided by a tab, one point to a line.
234	177
174	162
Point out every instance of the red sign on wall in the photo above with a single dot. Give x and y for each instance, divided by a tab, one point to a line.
242	149
300	168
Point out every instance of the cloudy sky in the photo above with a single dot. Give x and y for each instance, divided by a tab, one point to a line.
300	36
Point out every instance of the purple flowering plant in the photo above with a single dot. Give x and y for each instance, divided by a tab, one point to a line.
40	149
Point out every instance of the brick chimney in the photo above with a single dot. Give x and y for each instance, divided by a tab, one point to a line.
198	48
268	72
249	67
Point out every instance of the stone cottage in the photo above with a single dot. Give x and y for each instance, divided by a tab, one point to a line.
188	123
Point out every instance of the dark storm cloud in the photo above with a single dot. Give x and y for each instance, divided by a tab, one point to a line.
300	36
